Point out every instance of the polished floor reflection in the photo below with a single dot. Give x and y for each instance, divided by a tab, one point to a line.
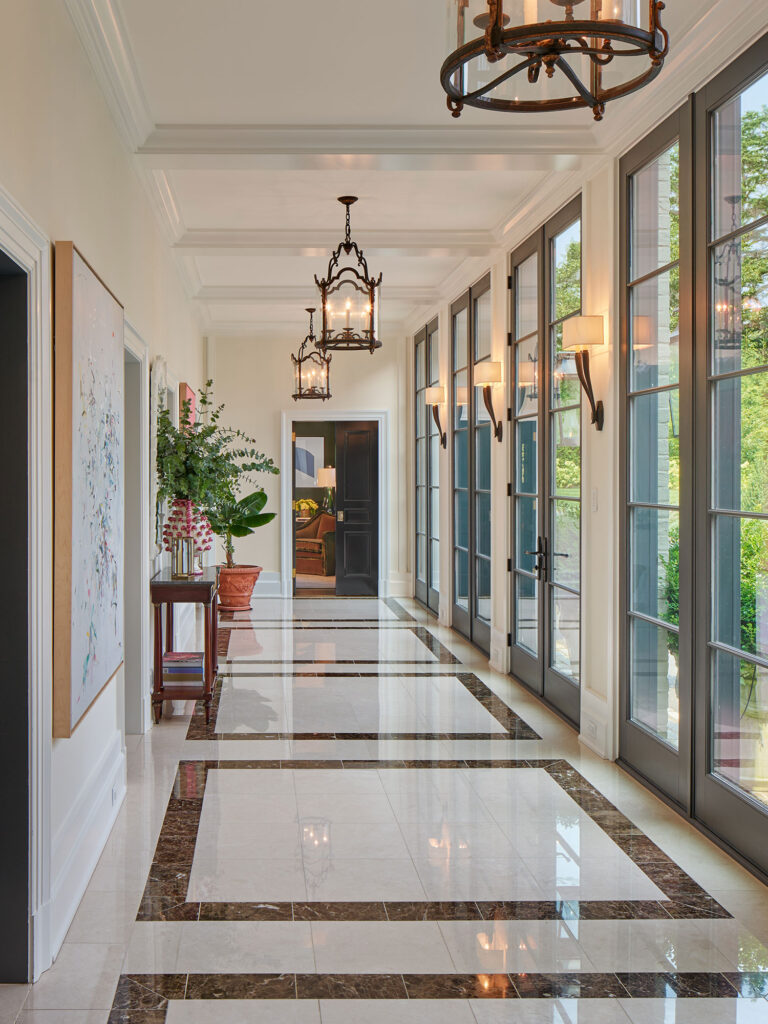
376	827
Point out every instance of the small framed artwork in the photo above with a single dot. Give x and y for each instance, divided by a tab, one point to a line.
88	488
309	458
186	394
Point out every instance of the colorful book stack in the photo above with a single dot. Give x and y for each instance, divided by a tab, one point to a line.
183	669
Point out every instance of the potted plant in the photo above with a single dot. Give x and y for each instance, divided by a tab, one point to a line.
200	467
231	518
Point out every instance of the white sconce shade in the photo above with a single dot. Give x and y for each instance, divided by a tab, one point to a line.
326	477
462	395
526	373
583	332
641	332
487	373
435	395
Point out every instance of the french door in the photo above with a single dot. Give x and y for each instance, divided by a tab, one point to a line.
427	374
471	467
545	283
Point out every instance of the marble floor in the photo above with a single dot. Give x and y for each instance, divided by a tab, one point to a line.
376	827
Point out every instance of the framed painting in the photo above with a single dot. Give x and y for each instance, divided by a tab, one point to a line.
88	488
310	456
158	400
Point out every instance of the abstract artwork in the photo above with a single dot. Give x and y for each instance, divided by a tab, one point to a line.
88	523
158	400
310	456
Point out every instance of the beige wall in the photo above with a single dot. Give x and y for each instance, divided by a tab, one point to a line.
254	378
63	163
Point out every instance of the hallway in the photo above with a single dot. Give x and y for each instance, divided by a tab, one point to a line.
377	827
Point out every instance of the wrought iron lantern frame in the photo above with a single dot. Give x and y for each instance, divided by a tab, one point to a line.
544	46
313	357
348	339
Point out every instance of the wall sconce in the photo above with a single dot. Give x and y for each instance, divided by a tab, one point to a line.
435	397
485	375
580	333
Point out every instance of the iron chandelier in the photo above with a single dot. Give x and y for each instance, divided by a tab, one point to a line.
350	298
312	369
500	69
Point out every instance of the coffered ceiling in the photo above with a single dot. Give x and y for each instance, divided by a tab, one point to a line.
247	119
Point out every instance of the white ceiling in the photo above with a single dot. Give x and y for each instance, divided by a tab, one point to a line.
248	118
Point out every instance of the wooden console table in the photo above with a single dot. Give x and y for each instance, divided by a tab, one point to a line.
165	590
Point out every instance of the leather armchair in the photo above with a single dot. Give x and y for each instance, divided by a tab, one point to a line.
316	545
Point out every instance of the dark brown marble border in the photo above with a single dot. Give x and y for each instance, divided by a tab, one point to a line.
144	998
165	894
515	728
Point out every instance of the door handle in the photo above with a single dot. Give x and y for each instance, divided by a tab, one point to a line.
340	516
540	565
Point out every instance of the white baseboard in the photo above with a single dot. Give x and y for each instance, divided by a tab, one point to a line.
499	658
399	585
80	840
269	584
595	731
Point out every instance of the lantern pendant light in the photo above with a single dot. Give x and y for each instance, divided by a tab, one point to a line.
350	297
587	49
312	369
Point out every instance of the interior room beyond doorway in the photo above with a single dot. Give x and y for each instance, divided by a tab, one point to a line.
314	513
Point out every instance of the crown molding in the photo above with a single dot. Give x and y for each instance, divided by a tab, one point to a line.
105	40
314	243
233	295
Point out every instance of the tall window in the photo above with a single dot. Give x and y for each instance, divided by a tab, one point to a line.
653	370
433	474
421	460
427	560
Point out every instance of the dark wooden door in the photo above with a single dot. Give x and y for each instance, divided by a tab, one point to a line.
357	509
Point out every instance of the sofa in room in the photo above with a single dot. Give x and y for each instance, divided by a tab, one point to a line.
316	545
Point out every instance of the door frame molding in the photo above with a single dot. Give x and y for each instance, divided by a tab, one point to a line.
381	417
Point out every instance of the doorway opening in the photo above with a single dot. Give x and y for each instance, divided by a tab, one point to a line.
15	721
335	502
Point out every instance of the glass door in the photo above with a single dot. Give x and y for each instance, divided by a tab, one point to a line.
731	767
655	493
427	464
471	460
546	568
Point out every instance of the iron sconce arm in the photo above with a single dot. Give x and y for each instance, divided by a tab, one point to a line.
582	368
441	433
498	428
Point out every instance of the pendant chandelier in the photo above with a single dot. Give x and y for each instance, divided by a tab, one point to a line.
350	297
589	51
312	369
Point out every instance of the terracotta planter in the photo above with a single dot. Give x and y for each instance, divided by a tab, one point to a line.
236	586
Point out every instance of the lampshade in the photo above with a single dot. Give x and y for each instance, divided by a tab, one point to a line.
487	373
641	332
326	477
435	395
462	395
583	332
526	373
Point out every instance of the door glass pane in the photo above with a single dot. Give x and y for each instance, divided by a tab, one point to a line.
740	724
434	358
421	558
461	460
483	523
460	400
655	448
740	185
527	376
461	519
655	331
656	214
527	296
527	456
419	365
527	532
434	513
421	417
740	440
461	579
564	640
460	340
434	459
655	564
567	271
740	583
420	498
565	389
740	291
566	449
565	543
653	680
483	588
483	326
527	613
434	568
483	457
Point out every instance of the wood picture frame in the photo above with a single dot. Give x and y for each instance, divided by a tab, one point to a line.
88	488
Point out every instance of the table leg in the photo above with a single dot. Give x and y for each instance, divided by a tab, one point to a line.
157	683
169	626
215	627
208	661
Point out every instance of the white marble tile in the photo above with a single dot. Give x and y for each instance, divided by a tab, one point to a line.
397	1011
350	782
84	977
243	1011
477	879
365	879
222	879
245	947
264	809
550	1011
349	840
153	948
104	917
365	808
320	645
244	840
456	841
380	947
696	1011
653	945
12	998
59	1017
520	947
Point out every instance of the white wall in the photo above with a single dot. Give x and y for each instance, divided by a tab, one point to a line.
254	378
64	165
